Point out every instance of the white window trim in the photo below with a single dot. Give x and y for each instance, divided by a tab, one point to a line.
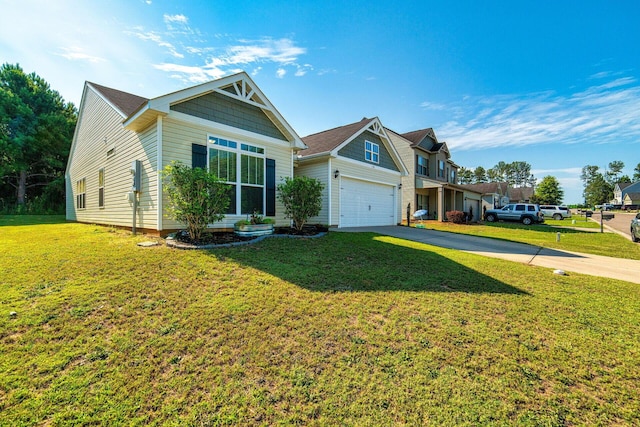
375	156
238	182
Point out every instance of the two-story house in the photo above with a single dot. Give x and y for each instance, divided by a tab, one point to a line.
621	189
431	183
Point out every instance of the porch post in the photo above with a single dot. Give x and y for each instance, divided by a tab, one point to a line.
440	204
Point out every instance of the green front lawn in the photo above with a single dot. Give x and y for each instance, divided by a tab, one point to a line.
572	237
347	329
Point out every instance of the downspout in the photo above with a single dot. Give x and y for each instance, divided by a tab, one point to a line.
159	168
330	175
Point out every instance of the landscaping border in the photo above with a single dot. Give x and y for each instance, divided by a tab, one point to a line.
172	243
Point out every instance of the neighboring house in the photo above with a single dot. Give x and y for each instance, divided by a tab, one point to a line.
621	189
631	199
521	194
361	172
431	183
227	125
494	194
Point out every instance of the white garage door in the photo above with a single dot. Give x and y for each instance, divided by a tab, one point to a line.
365	203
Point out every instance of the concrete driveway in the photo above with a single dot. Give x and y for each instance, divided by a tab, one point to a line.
595	265
619	224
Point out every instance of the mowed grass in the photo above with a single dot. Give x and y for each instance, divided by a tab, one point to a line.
572	238
346	329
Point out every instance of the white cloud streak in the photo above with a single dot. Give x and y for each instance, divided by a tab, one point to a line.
599	114
283	52
180	19
78	54
158	40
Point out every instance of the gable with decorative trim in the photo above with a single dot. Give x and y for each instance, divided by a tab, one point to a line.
223	109
356	150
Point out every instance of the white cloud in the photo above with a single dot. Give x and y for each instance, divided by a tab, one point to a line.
301	70
180	19
243	54
601	114
432	106
78	54
193	74
560	171
157	39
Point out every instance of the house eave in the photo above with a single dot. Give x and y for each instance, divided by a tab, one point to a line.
143	118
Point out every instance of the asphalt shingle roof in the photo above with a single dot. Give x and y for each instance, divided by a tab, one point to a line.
325	141
521	193
488	187
417	136
126	102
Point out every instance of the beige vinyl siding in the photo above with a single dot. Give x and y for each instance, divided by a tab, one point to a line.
99	131
351	169
177	139
408	156
319	171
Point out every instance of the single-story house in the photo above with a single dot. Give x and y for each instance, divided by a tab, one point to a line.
431	182
227	125
361	172
521	194
493	194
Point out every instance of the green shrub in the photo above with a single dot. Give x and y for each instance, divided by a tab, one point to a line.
302	199
197	197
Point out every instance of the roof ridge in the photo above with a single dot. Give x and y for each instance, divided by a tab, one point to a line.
337	127
126	102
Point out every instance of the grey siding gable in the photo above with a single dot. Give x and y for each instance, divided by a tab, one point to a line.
231	112
355	150
426	144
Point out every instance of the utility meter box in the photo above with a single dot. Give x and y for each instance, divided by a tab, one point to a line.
136	171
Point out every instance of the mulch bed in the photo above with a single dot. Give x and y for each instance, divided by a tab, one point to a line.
226	238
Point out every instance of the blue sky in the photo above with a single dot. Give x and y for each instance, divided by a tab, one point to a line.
552	83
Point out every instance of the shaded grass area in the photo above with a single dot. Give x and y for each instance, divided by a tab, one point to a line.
572	238
347	329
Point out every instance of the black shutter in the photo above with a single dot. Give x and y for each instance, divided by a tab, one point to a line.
270	185
198	156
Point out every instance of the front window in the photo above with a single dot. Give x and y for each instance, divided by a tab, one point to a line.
372	152
440	168
242	167
423	166
101	188
80	194
453	176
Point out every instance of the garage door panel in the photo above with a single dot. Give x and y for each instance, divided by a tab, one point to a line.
365	203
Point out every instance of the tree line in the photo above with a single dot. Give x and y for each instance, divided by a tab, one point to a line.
517	174
36	129
599	186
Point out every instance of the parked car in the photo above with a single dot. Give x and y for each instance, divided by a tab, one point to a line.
555	212
604	207
527	213
635	228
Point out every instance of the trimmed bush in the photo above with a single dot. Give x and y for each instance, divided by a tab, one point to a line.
196	196
456	217
302	199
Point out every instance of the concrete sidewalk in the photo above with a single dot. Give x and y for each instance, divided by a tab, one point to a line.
594	265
